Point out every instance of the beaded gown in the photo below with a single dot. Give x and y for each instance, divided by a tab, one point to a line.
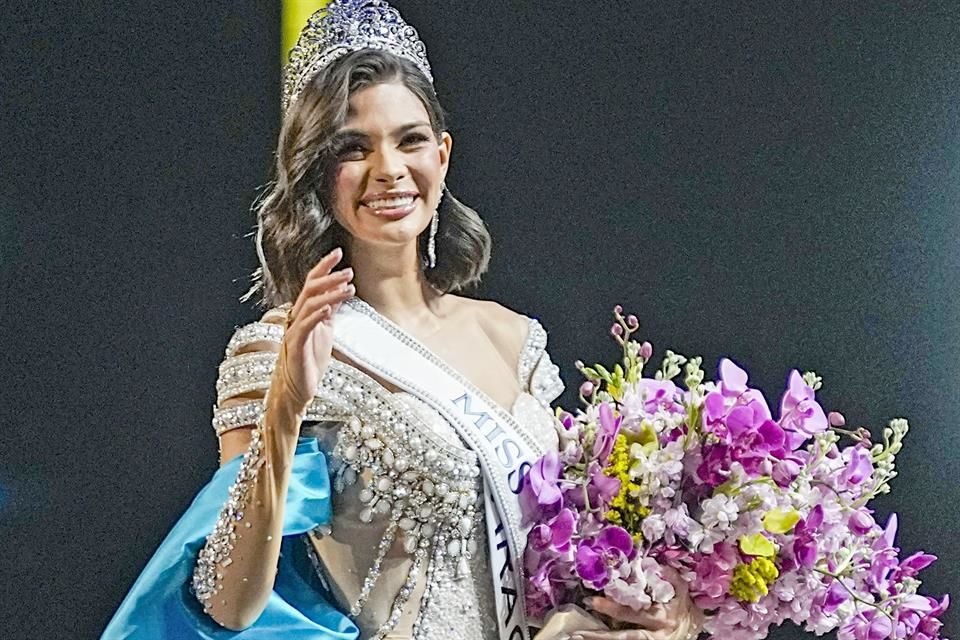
399	545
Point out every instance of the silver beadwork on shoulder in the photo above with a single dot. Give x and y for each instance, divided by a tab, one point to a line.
245	373
342	27
545	383
537	373
251	333
532	348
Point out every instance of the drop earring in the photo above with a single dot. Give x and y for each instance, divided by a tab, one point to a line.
434	224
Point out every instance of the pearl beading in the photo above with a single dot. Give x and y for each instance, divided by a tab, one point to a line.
511	518
251	372
245	373
346	393
545	383
533	348
237	416
427	486
455	608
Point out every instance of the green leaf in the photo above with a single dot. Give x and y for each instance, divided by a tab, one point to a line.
757	545
780	521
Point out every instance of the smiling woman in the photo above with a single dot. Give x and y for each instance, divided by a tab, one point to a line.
375	428
390	169
370	113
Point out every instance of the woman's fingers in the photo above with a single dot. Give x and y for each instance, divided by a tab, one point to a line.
323	267
655	617
628	634
329	281
327	262
316	308
333	282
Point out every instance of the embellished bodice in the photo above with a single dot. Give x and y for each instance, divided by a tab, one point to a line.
406	552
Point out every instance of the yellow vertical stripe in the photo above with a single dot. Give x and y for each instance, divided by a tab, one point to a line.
293	17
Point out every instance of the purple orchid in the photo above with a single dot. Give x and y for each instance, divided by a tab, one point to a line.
607	431
555	534
859	465
800	413
541	494
835	596
609	554
866	625
658	395
547	587
913	564
601	488
928	628
751	439
861	522
805	534
786	471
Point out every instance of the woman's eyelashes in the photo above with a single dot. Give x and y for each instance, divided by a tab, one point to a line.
354	149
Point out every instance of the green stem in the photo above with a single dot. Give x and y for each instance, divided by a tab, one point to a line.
854	596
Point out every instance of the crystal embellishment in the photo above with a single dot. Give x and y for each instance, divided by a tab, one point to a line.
216	551
423	485
342	27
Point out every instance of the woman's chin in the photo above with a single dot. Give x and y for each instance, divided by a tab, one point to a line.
393	232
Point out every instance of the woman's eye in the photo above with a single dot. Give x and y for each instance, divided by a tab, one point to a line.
413	138
350	152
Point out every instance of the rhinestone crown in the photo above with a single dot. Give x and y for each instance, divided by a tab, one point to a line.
344	26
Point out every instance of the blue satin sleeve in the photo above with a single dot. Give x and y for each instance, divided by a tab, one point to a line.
161	605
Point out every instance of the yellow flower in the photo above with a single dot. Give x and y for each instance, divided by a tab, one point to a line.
624	511
751	581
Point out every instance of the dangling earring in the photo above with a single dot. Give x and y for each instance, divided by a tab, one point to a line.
434	224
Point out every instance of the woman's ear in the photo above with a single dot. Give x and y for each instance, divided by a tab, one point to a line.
446	144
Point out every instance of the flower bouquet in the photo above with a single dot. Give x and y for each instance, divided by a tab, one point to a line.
764	519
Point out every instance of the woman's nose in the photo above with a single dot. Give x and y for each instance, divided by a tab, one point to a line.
388	166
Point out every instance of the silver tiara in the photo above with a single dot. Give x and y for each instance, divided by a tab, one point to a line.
344	26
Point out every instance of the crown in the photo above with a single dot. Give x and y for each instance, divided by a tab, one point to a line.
344	26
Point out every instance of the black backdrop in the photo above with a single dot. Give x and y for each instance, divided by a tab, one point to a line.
776	181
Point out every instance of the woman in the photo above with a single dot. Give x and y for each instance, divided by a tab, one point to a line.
428	406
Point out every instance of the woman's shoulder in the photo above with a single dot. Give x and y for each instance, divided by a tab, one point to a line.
497	319
527	341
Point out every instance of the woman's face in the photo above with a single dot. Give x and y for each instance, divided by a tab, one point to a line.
390	166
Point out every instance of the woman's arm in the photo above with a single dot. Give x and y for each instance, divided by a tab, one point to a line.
237	566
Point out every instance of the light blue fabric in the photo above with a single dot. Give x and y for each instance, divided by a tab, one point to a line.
160	604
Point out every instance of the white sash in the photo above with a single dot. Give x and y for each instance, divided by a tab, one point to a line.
505	450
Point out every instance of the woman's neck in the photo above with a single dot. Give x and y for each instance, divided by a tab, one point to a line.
391	281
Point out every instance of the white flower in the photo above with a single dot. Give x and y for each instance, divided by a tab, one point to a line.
702	539
642	587
719	512
660	590
653	527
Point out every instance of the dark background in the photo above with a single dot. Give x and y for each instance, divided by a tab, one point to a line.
778	182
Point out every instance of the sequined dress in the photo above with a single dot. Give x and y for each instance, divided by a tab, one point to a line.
406	552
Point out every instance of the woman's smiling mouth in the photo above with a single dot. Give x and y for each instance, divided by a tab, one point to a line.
391	205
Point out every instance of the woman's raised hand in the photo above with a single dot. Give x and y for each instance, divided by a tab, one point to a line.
308	339
679	619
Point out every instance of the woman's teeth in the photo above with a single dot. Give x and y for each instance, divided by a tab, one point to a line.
390	203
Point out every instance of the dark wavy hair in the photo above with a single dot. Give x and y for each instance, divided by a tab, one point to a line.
295	222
